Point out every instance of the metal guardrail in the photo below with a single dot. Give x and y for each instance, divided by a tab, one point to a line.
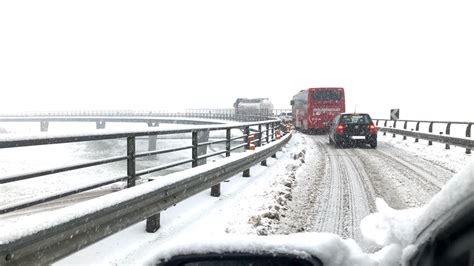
47	244
430	137
265	135
394	124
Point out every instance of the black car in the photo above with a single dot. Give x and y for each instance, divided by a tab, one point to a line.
350	129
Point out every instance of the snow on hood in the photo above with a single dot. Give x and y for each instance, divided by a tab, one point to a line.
331	249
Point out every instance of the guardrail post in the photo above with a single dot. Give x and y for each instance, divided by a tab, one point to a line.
430	129
273	137
227	143
246	172
153	223
468	135
131	161
216	190
385	125
264	162
202	136
405	127
273	131
268	133
246	137
377	123
448	132
44	125
417	128
194	150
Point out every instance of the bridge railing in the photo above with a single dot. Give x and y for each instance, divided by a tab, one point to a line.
51	238
443	137
223	114
263	132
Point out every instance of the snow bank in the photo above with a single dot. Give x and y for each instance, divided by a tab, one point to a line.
397	230
454	159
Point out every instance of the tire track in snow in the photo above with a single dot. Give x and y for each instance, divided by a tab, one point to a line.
347	196
402	182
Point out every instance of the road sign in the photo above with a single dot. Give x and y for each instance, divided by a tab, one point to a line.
394	114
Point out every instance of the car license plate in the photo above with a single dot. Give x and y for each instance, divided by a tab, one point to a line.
358	137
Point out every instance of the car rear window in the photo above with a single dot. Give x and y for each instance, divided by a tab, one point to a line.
356	119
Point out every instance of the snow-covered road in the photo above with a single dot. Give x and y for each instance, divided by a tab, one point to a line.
336	188
312	187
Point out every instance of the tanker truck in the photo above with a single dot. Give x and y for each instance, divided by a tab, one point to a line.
253	107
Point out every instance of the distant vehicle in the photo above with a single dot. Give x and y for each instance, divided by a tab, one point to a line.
253	107
285	117
352	129
313	109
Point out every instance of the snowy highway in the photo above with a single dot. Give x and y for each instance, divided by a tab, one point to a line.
311	187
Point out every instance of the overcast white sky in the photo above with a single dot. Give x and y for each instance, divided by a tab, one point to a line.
414	55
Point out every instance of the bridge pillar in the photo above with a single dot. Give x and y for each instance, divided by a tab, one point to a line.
44	125
152	138
100	124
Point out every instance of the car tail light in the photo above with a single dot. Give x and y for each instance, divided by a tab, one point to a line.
372	128
340	129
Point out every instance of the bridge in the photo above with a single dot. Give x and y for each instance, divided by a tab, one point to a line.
346	192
